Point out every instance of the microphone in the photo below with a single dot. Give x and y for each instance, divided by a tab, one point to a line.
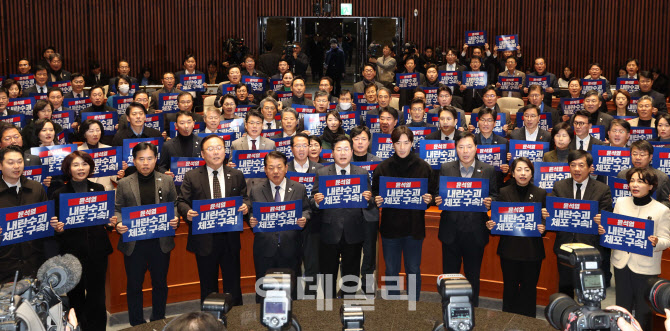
61	273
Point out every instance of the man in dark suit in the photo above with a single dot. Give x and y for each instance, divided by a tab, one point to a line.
252	140
490	101
580	187
536	97
268	61
530	130
185	102
298	90
40	87
4	101
137	116
269	107
78	84
447	125
10	135
189	69
342	229
583	139
646	83
56	71
278	249
486	123
185	144
169	86
310	234
464	234
214	251
592	105
145	187
369	74
453	65
96	76
540	66
17	190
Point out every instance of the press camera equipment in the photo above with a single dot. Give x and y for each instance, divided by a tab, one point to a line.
658	296
236	49
409	48
218	304
440	56
457	311
563	313
276	305
374	50
352	317
35	304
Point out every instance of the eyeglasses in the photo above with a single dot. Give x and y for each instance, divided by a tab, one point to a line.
10	138
214	148
487	120
579	124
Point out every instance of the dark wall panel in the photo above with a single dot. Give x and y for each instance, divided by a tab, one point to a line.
160	33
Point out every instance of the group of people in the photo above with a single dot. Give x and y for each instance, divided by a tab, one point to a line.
331	240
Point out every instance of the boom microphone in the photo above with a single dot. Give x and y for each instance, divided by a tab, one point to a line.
61	273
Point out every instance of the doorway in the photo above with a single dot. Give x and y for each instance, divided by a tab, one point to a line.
359	38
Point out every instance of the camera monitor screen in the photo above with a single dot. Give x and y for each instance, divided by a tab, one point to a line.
593	281
462	312
274	308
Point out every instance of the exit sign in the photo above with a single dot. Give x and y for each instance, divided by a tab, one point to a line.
346	9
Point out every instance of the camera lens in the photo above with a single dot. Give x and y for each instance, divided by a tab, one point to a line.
659	294
559	308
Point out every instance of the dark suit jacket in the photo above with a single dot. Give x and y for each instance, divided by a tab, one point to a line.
31	160
128	195
287	242
196	187
92	81
31	90
437	135
171	148
594	191
454	222
197	106
313	166
556	115
11	112
522	248
592	141
91	241
71	94
659	99
496	140
520	134
347	222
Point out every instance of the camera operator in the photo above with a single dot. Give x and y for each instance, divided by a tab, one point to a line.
632	271
426	59
386	66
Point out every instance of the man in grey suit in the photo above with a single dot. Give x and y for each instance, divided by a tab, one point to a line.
583	139
145	187
580	186
253	125
464	234
342	229
530	130
4	101
185	144
214	251
278	249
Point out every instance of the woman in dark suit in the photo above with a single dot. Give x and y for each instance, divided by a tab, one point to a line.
521	257
89	244
561	136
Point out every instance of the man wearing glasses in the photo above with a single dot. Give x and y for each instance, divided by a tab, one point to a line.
530	130
641	154
214	251
536	97
583	139
169	86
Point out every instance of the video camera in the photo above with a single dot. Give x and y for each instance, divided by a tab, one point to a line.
374	50
457	311
409	48
35	304
563	313
276	305
236	49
